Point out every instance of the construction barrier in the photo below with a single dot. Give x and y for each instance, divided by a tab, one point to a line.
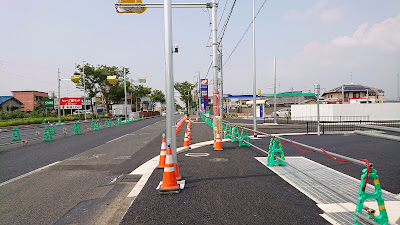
52	129
47	134
276	157
15	134
77	128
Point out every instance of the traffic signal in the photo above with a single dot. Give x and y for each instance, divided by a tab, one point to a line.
112	79
259	92
75	78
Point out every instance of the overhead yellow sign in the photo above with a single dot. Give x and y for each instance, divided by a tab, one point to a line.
131	6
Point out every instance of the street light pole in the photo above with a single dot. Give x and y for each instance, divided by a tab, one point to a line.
84	89
59	98
254	73
169	79
275	115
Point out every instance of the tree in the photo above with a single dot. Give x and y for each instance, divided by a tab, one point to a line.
158	96
96	80
139	91
185	89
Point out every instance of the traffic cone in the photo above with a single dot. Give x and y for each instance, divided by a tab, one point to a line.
218	143
169	183
186	140
189	134
163	153
178	175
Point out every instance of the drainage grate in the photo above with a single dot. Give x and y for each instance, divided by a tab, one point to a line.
131	178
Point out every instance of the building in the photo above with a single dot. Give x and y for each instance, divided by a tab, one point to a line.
29	98
9	103
347	94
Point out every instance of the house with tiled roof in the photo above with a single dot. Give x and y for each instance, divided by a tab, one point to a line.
9	103
354	93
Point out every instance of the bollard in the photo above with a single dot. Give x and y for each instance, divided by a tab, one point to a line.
77	128
52	129
47	134
275	148
244	137
377	195
15	134
235	134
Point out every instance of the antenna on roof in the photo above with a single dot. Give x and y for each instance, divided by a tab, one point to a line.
351	78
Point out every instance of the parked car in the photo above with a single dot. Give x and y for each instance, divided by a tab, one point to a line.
82	112
164	113
282	113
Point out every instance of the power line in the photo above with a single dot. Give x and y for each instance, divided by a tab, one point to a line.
226	22
223	11
245	32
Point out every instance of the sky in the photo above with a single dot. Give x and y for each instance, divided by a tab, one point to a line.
327	42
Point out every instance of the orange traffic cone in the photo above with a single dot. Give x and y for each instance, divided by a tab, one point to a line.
163	153
178	175
189	134
218	143
186	140
169	178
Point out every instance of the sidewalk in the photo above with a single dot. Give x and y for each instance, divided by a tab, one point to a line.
226	187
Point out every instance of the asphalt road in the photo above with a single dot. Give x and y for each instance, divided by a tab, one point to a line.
24	159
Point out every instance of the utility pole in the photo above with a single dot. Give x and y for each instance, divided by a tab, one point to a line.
275	115
215	69
59	98
84	89
254	73
125	103
221	87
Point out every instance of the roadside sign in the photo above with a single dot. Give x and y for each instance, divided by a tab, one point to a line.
49	103
107	88
71	103
87	102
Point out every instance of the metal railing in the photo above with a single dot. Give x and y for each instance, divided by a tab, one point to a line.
330	126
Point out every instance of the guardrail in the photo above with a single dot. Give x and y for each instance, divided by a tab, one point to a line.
328	126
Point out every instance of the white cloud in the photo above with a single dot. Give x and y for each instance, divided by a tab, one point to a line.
316	8
383	36
332	15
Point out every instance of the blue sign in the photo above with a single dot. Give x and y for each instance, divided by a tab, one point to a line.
204	95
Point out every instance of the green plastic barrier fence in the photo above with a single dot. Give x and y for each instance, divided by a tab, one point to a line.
377	195
235	134
275	147
77	128
52	129
244	139
47	134
15	134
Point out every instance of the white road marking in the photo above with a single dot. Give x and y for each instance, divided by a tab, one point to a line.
117	138
27	174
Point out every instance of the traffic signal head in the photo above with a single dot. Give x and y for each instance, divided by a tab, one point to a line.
112	79
75	78
259	92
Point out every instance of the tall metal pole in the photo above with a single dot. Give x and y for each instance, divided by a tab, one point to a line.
84	89
254	73
398	87
317	88
125	103
215	66
199	96
275	115
59	98
221	86
169	79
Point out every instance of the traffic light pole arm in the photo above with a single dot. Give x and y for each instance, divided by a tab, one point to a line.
161	5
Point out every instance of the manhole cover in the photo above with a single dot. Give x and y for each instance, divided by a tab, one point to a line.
197	154
219	160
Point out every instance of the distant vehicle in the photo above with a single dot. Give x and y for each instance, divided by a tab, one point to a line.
164	113
282	113
82	112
